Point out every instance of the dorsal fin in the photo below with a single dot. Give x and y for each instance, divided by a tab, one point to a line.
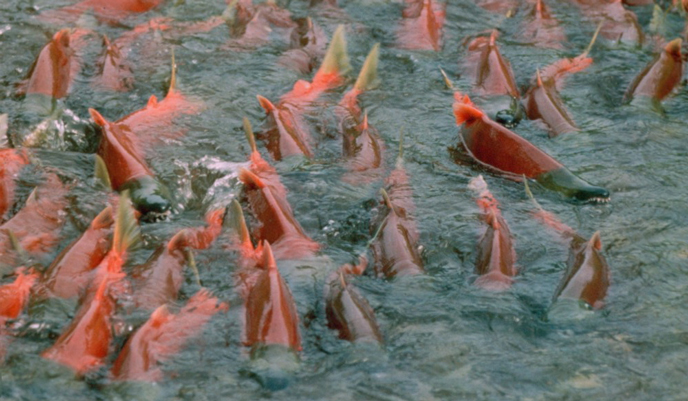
493	38
364	124
269	258
98	118
249	135
238	223
367	78
160	316
592	41
173	76
336	59
248	178
152	101
266	104
596	241
538	77
674	47
447	82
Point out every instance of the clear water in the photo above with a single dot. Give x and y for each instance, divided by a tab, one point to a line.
444	339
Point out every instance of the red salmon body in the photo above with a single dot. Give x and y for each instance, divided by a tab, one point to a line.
14	296
329	76
38	224
287	133
159	280
11	163
618	23
57	66
503	151
498	6
490	72
362	145
275	215
120	152
162	336
395	247
271	316
68	275
421	28
542	29
661	76
347	311
85	343
111	11
496	258
308	43
587	274
115	72
542	102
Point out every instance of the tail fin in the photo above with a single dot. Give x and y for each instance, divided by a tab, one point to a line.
336	61
367	78
127	233
494	281
465	110
101	173
202	237
567	66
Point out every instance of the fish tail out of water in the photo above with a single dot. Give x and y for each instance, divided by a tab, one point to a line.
127	233
367	78
336	62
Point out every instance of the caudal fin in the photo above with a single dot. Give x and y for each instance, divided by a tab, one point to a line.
127	233
367	78
336	61
101	173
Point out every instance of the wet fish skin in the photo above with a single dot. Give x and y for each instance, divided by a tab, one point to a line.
163	335
587	274
421	26
159	279
57	65
14	296
495	262
37	226
503	151
11	163
488	69
127	168
347	310
69	273
661	76
271	316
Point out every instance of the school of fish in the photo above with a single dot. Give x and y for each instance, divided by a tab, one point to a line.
263	228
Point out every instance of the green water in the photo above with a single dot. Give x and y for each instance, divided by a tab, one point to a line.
444	338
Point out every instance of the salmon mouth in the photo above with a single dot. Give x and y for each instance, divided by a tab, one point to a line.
592	194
